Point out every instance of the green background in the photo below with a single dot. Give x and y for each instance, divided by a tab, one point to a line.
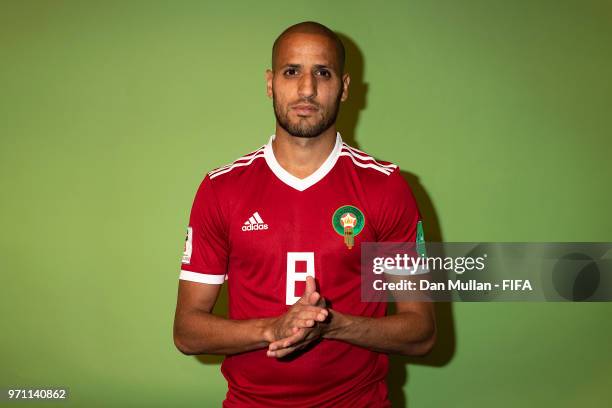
111	112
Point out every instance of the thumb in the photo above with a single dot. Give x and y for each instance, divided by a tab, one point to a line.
311	287
313	297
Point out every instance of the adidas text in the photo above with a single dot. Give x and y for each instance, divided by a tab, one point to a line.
254	227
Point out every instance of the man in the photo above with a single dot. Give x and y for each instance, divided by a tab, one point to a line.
284	226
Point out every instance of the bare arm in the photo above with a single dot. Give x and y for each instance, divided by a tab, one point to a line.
198	331
410	331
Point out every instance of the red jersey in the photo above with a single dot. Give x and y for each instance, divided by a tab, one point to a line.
264	230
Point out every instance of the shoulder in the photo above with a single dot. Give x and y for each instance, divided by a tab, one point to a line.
226	179
366	165
382	179
238	166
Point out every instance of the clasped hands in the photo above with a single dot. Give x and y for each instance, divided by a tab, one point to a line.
300	325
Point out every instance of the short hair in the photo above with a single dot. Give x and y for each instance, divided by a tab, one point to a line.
312	27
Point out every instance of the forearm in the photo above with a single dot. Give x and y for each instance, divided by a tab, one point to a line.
198	332
407	333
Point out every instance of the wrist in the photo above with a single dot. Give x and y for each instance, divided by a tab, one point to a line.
265	330
337	324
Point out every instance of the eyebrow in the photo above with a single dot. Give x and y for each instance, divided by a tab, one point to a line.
318	66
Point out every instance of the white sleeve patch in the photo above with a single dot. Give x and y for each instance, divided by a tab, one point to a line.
188	246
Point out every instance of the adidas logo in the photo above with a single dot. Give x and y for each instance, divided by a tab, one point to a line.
254	223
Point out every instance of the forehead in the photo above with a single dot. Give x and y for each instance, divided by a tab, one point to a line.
300	48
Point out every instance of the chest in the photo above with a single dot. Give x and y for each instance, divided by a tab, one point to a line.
278	235
331	218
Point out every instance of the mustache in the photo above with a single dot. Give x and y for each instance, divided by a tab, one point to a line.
305	102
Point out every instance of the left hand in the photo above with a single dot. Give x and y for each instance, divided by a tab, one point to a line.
300	339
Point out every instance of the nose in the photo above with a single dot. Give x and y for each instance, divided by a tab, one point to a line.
307	87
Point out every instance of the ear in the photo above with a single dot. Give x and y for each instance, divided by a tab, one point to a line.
346	80
269	78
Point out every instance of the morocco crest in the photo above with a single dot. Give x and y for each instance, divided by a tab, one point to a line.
348	221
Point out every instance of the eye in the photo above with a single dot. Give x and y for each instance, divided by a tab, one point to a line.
325	73
290	72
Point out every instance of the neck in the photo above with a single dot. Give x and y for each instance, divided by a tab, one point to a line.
302	156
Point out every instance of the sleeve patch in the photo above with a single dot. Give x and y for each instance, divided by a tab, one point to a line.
188	246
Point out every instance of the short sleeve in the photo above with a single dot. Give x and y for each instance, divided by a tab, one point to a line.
399	215
205	254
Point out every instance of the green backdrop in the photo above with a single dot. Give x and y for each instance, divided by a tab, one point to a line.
111	112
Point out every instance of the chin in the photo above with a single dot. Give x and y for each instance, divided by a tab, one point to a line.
306	133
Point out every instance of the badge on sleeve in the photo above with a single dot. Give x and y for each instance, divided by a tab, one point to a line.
188	246
420	240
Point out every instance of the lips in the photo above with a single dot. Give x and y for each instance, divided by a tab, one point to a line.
305	109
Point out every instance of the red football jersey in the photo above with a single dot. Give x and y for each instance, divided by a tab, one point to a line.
264	230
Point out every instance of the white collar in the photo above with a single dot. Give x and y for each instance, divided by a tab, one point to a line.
290	179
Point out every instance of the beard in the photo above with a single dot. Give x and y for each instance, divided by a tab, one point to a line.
302	129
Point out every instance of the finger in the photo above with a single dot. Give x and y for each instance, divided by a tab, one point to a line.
314	298
311	287
317	300
308	319
304	312
310	313
315	310
319	316
304	323
297	317
298	336
280	353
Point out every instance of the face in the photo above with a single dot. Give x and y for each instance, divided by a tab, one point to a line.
305	85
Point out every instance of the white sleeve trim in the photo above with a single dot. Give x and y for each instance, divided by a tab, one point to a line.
202	277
